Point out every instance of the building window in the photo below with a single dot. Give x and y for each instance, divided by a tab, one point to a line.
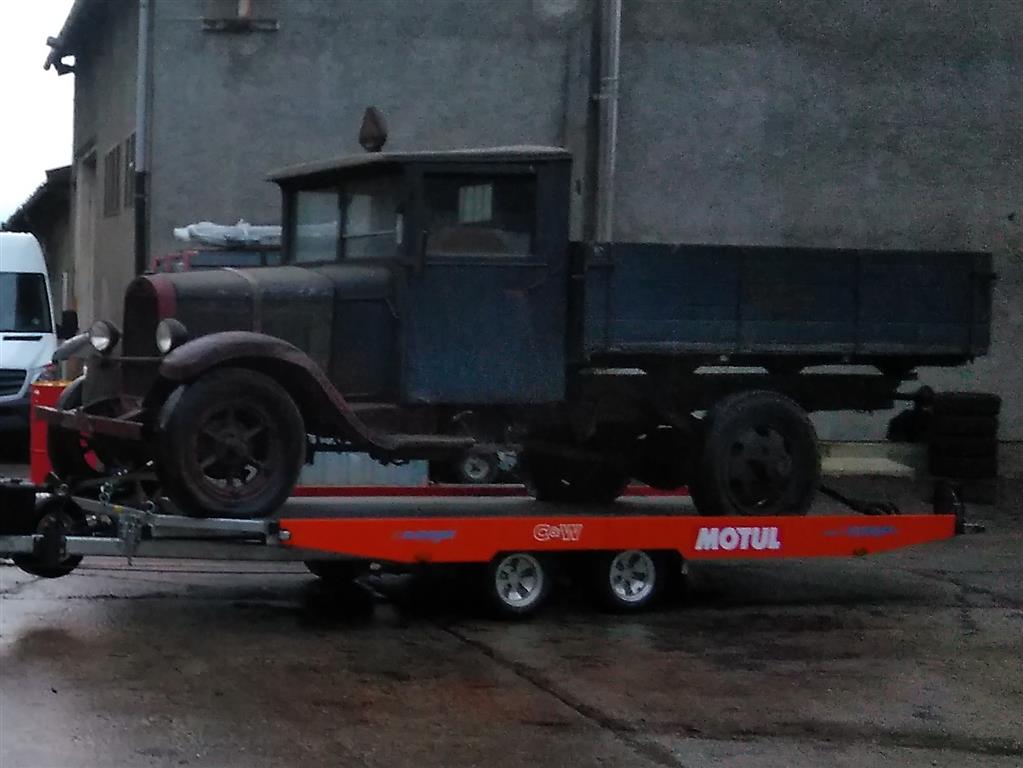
129	171
239	16
112	182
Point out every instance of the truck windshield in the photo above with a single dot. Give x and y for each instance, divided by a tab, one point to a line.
371	224
360	221
24	307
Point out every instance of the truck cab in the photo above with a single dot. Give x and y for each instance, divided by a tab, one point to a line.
449	270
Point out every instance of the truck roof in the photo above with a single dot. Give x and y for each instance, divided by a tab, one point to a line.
510	154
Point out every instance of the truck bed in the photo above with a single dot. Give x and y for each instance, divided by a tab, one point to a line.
919	307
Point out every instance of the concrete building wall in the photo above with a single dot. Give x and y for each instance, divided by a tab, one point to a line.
229	107
104	118
833	124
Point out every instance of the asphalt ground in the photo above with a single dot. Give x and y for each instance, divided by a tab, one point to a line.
910	658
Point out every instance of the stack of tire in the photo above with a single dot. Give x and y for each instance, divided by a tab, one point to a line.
964	442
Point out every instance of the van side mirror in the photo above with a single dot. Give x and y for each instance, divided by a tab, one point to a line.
68	325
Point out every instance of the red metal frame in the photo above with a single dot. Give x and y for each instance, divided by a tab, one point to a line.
468	538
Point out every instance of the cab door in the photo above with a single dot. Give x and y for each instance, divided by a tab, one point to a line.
485	302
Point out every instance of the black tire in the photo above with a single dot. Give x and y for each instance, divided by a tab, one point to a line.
517	584
570	481
957	446
974	426
629	581
477	468
232	444
964	467
966	404
53	513
68	449
760	457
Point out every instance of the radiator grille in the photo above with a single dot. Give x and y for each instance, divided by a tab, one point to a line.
11	381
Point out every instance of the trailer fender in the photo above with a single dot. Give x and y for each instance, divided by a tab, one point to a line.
315	395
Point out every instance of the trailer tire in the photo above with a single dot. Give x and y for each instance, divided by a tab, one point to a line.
52	513
517	584
760	457
629	581
230	426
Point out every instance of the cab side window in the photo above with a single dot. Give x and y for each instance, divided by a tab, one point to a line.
470	214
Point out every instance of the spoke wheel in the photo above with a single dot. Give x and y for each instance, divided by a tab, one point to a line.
232	444
478	469
760	467
518	584
759	457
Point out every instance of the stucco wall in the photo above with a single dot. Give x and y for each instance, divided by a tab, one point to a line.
104	117
833	124
228	108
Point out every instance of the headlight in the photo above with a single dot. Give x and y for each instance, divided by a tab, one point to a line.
170	334
103	336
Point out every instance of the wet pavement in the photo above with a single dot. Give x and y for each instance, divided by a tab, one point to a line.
911	658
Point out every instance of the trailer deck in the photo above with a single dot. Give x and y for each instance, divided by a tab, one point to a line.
641	540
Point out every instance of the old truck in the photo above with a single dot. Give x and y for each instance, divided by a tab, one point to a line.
431	303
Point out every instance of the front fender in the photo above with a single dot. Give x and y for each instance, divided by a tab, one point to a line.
305	381
216	349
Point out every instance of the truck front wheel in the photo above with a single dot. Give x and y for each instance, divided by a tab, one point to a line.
231	444
760	457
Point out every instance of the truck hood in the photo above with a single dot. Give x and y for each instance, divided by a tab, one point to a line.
296	304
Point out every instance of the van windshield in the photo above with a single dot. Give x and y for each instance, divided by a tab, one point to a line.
24	307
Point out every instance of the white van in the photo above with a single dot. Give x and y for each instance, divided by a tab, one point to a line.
27	330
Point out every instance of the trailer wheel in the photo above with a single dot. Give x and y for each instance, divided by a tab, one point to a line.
54	517
630	580
760	457
518	584
231	444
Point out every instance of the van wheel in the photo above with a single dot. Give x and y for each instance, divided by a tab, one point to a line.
231	444
760	457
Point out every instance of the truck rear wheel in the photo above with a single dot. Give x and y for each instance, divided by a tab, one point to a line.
760	457
231	444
